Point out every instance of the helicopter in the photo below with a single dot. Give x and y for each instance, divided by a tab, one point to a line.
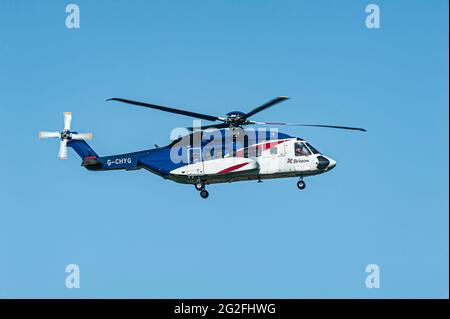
223	152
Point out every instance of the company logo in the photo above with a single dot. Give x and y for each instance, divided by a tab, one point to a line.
296	161
119	161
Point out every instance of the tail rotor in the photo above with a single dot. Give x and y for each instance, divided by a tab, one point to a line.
65	136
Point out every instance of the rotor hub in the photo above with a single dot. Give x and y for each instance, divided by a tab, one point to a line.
65	135
235	118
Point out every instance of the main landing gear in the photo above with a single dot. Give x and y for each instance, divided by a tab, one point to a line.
200	186
301	184
204	193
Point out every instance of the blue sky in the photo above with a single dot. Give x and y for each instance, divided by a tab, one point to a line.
134	234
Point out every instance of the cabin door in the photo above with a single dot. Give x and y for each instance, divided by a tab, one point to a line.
272	157
195	166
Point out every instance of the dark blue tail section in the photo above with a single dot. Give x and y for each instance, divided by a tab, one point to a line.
91	161
82	148
155	160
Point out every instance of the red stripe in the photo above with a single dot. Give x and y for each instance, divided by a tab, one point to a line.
276	143
232	168
266	146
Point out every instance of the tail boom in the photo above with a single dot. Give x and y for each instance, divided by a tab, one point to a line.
93	162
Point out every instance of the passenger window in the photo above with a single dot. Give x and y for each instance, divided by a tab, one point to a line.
274	150
301	149
209	155
251	151
194	155
258	151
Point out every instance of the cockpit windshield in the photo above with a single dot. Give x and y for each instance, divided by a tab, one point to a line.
301	149
315	151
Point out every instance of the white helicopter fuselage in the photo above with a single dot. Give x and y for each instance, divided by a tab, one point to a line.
281	158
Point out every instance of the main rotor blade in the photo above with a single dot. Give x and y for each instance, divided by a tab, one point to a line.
168	109
43	134
312	125
62	154
67	120
265	106
217	126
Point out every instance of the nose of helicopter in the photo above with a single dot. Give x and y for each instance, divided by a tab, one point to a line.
332	163
325	163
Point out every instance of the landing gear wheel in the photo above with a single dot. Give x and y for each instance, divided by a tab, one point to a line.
199	186
204	193
301	184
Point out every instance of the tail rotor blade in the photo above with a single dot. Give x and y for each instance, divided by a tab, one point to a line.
82	136
43	134
62	154
67	120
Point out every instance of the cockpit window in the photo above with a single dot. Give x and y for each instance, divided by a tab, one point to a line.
301	149
315	151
